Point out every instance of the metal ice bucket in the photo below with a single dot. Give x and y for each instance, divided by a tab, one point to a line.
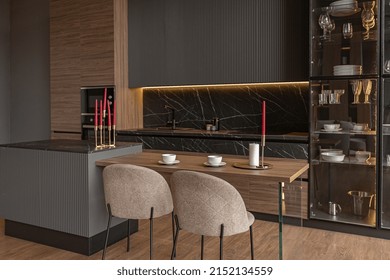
361	202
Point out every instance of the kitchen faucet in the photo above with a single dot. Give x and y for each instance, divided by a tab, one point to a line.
173	121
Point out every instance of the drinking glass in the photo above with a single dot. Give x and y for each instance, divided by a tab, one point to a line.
357	90
324	21
323	96
367	86
347	30
330	28
386	66
338	93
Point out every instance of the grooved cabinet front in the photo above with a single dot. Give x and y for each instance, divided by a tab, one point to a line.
180	42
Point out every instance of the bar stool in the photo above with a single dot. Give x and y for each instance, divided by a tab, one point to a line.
135	192
208	206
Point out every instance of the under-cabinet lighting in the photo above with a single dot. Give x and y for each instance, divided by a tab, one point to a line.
229	85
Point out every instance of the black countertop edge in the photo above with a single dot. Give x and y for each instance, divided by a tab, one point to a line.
65	145
292	137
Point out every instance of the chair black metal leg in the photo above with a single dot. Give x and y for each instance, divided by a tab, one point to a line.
151	233
173	255
173	229
108	231
173	226
221	244
201	247
128	235
251	235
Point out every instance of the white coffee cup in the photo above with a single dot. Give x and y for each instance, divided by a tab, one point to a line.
168	158
214	159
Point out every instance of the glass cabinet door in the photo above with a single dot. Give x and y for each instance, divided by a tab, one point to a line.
343	150
344	38
386	154
386	38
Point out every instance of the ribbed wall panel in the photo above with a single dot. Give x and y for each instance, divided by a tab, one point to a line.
64	196
217	41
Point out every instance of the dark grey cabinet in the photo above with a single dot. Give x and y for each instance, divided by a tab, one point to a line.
187	42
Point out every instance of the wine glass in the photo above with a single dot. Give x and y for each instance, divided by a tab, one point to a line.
357	90
330	28
324	21
386	66
367	86
347	30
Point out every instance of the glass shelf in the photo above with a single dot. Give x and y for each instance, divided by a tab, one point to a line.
348	218
347	160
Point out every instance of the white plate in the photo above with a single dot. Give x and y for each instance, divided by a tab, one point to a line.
170	163
214	165
338	2
359	131
331	130
347	66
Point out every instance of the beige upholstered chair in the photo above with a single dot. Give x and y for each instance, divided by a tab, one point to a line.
207	205
134	192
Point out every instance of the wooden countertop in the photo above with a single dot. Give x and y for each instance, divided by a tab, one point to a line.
283	170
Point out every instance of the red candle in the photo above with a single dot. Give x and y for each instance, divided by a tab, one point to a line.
101	113
114	114
109	115
105	99
263	120
96	112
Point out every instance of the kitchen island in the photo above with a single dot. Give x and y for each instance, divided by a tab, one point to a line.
51	192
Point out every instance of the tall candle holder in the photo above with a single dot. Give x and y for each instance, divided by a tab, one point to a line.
262	150
101	129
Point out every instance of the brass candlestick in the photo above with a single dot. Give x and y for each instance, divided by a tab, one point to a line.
113	136
262	150
96	141
101	136
109	136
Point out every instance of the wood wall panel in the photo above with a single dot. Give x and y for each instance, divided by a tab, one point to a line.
89	47
65	65
97	42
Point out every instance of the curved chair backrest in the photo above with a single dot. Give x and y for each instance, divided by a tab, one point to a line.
133	190
203	202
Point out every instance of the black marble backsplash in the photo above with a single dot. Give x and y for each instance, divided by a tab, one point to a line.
237	107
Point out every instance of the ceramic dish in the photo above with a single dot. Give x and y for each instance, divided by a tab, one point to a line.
169	163
214	165
334	130
333	157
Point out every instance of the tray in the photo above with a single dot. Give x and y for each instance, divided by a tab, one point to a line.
247	166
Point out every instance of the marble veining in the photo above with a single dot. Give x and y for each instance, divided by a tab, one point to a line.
236	107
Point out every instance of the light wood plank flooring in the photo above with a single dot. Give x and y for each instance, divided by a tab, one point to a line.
299	243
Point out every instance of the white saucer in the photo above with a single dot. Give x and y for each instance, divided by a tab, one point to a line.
333	130
359	131
170	163
214	165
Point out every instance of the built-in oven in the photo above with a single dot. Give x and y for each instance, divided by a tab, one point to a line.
89	95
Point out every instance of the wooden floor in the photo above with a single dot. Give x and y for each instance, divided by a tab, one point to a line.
299	243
